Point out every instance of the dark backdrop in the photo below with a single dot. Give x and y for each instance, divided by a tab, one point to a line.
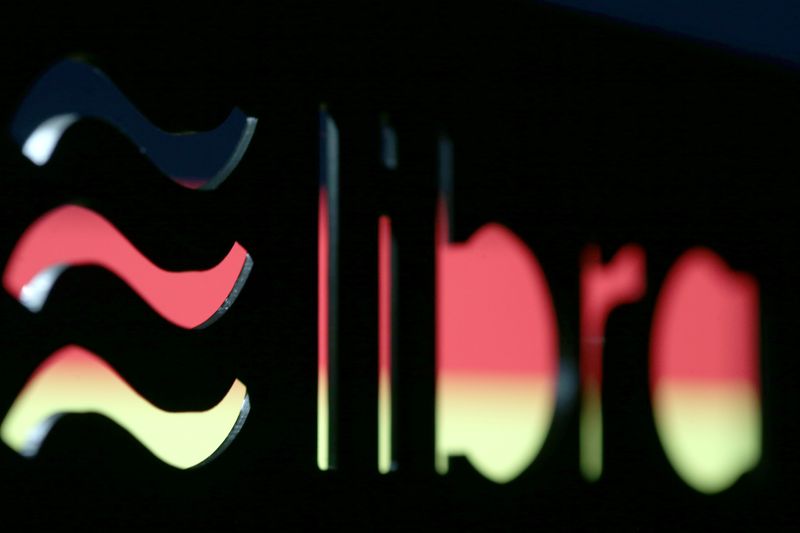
568	129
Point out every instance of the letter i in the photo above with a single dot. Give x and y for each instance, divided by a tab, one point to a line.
387	263
328	247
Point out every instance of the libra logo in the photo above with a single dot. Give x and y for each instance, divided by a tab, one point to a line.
73	379
497	342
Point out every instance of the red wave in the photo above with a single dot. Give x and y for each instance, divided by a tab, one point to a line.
73	236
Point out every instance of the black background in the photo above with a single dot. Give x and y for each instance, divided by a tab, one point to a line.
569	129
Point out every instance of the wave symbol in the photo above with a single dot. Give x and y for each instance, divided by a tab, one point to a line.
72	90
74	380
72	236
